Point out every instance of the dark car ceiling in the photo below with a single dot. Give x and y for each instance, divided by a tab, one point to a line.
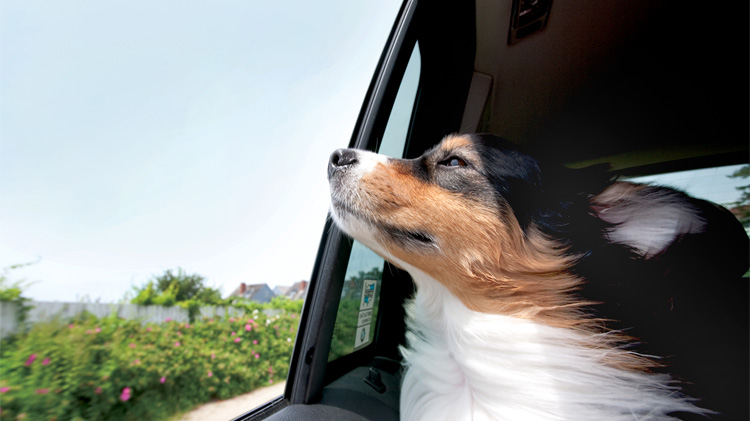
631	83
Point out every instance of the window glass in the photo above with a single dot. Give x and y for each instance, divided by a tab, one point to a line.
397	129
360	296
728	186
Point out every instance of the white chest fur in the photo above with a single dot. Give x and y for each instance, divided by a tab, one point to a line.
462	364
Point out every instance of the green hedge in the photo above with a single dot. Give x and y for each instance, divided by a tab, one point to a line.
115	369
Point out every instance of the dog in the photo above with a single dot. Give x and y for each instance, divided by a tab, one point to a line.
504	251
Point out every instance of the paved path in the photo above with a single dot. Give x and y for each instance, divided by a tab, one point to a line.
230	408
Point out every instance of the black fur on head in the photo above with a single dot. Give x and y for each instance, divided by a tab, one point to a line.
547	195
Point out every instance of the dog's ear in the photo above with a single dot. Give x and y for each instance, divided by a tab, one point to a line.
720	249
663	223
646	218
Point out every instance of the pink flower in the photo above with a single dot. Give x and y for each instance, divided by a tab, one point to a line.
248	327
237	340
31	359
4	389
132	345
210	374
163	379
41	391
257	356
234	333
88	331
45	361
179	333
270	380
255	342
137	361
98	390
231	319
71	326
176	344
187	326
251	321
125	395
98	329
168	319
148	329
213	356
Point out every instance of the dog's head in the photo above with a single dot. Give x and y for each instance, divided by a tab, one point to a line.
473	213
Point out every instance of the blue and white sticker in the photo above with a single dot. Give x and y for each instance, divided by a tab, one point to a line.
366	305
368	294
363	336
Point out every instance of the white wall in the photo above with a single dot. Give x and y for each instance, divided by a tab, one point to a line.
44	311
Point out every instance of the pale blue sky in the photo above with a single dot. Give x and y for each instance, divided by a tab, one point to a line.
141	136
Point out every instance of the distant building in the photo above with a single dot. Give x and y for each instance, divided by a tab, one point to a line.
260	293
297	291
281	290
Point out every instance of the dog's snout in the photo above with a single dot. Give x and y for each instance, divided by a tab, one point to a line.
341	158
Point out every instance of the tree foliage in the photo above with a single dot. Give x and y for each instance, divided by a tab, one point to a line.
172	288
12	291
742	205
178	288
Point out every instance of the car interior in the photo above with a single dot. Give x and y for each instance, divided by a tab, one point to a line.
644	86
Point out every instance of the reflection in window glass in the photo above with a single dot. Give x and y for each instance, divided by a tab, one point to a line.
360	298
355	320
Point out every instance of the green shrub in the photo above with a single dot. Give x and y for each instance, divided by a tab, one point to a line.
12	291
115	369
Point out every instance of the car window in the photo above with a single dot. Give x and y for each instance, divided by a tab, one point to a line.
360	295
728	186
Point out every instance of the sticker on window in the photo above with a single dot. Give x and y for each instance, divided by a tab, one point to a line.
363	336
365	313
368	294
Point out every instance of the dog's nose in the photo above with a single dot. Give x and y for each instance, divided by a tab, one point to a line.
341	158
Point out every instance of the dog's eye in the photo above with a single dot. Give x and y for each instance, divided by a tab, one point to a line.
453	162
